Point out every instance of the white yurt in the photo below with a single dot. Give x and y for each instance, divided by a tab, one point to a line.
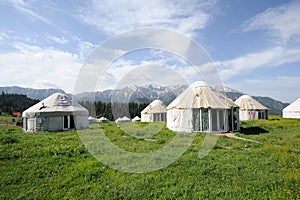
198	109
55	113
123	119
250	109
136	119
92	120
155	111
102	119
292	110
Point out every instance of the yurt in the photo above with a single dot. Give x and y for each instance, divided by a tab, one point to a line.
55	113
250	109
198	109
123	119
136	119
292	110
155	111
92	120
103	119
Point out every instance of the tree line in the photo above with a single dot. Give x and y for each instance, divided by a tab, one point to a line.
114	110
10	103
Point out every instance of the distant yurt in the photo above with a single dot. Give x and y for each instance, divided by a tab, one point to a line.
292	110
92	120
250	109
136	119
55	113
155	111
198	109
102	119
123	119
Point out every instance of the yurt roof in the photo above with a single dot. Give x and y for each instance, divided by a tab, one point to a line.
295	106
136	118
123	119
57	102
199	95
227	101
248	103
103	118
156	106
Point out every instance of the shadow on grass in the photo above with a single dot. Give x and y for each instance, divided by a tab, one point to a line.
253	130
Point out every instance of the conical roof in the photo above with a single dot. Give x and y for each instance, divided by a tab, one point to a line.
295	106
156	106
123	119
103	119
199	95
246	102
57	102
136	118
227	101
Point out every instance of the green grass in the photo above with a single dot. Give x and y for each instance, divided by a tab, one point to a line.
8	119
58	166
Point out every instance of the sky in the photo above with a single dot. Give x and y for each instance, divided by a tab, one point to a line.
254	44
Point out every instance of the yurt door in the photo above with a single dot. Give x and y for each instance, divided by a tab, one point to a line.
205	119
69	122
196	120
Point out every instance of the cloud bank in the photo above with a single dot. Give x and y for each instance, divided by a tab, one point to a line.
115	16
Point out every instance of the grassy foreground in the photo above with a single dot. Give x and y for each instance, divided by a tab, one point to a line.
58	166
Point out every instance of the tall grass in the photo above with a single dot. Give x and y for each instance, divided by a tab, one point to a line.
6	119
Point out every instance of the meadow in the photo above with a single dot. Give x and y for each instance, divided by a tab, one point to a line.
58	166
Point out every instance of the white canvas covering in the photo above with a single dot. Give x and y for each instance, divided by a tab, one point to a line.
250	109
155	111
233	113
123	119
55	113
136	119
92	120
199	108
292	110
103	119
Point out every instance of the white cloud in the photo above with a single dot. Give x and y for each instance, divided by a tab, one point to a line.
275	56
281	23
124	72
57	39
37	67
119	16
85	48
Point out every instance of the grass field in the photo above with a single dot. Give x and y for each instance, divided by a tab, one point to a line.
8	119
58	166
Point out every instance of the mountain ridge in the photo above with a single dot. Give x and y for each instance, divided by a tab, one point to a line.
143	94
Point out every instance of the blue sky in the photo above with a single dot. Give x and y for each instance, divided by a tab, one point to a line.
254	44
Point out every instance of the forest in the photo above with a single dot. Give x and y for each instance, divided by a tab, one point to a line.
114	110
10	103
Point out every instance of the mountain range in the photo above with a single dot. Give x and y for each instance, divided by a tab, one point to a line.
30	92
144	94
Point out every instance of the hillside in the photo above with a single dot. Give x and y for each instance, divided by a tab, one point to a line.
30	92
10	103
141	94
